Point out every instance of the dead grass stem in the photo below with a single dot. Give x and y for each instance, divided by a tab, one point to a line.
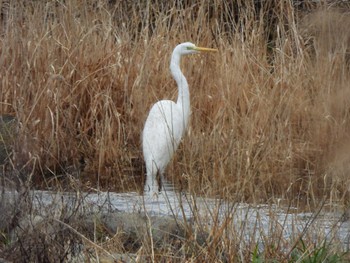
270	112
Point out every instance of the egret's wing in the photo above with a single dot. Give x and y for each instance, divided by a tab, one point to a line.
162	132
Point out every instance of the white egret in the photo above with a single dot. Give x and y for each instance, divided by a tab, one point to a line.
166	123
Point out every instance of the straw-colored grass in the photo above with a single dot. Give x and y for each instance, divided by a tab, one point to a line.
270	119
270	111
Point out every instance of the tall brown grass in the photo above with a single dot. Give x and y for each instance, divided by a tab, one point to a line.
270	112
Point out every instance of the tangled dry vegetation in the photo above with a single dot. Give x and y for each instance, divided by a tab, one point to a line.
270	111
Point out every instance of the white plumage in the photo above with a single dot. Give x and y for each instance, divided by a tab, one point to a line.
166	123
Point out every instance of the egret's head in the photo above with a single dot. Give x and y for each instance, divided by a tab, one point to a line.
190	48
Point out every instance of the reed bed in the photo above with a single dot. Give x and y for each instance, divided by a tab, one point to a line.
269	111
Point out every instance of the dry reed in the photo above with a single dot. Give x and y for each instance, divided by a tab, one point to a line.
270	114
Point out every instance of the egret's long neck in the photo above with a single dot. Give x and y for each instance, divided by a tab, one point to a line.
183	99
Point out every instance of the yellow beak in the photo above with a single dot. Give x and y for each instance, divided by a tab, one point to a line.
205	49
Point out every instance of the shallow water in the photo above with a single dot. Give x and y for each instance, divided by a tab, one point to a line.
256	222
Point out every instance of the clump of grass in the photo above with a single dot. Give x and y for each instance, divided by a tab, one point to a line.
322	253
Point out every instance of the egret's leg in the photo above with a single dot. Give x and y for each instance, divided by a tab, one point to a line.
151	185
165	184
161	181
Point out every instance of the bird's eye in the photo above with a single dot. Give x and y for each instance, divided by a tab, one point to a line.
189	48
